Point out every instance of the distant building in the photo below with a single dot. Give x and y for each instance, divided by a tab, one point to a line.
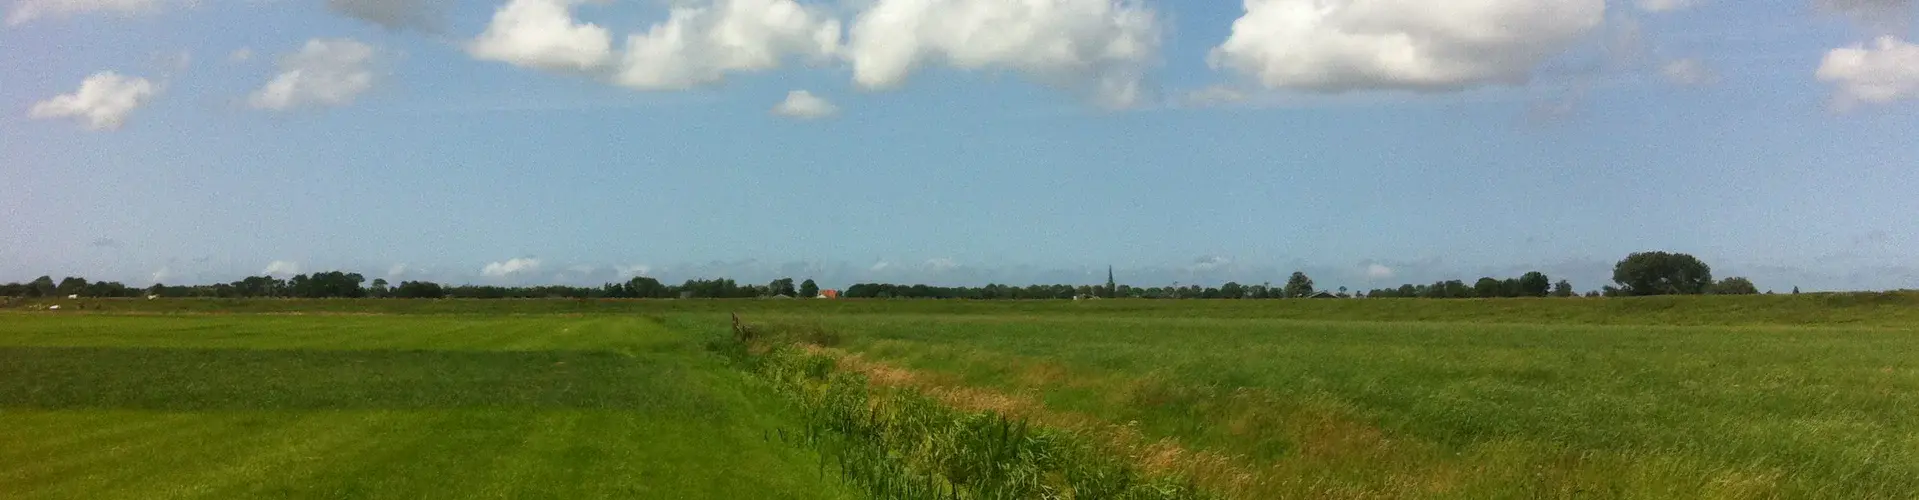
829	294
1322	294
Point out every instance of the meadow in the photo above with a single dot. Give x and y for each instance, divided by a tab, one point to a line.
1667	397
363	406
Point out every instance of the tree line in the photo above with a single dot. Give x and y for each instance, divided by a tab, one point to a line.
1639	274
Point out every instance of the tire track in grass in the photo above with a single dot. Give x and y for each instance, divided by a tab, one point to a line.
420	454
28	432
308	438
151	456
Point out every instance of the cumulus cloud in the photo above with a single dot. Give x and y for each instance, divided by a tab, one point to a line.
28	10
699	45
1378	271
1688	72
103	101
941	264
397	270
1666	5
392	14
632	270
326	72
803	105
1884	16
1885	71
281	268
542	34
880	266
510	267
240	55
1103	47
1347	45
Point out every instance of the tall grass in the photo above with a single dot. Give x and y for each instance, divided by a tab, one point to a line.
899	443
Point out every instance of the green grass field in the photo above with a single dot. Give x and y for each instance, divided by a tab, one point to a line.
263	406
1698	397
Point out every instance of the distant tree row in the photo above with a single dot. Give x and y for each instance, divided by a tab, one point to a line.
1640	274
1533	284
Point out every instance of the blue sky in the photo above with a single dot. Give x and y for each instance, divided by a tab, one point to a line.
1367	142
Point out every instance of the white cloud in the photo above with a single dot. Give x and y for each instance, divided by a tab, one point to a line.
510	267
326	72
163	274
803	105
102	103
941	264
880	266
698	45
1666	5
28	10
1103	47
1347	45
240	55
1204	264
632	270
392	14
396	271
281	268
1689	72
542	34
1885	71
1378	271
582	269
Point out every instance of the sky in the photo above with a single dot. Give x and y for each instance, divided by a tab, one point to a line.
958	142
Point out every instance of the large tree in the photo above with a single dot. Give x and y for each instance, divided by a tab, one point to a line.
1489	287
1563	289
70	286
1735	286
782	286
1662	273
1299	285
41	287
1535	284
809	289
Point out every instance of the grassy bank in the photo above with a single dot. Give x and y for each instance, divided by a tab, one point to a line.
1456	410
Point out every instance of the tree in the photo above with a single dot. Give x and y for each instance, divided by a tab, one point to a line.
809	289
1535	284
70	286
1662	273
782	286
1795	289
43	287
379	289
1112	288
1232	290
1299	285
1488	287
1735	286
1563	289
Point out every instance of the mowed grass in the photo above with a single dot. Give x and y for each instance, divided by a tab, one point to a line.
348	406
1274	408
